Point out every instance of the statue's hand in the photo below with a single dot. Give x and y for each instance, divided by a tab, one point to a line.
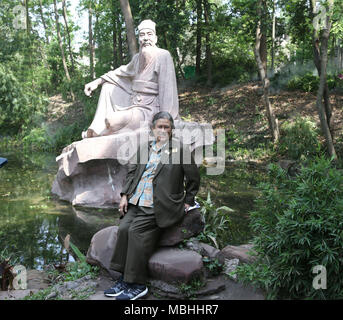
90	87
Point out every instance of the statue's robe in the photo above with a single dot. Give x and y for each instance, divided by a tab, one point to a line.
144	92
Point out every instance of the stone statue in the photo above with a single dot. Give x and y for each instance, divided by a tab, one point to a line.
91	172
135	92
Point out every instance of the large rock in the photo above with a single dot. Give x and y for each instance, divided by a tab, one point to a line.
239	252
91	172
167	264
175	265
102	247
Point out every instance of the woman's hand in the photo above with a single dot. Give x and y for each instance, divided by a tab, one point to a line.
123	205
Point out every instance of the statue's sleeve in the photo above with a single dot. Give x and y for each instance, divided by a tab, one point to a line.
167	86
123	75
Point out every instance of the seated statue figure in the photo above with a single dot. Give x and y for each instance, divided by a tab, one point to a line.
135	92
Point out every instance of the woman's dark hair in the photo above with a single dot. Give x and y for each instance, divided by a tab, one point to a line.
162	115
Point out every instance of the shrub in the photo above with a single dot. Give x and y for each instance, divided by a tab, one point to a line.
217	228
37	140
310	83
298	225
14	103
299	138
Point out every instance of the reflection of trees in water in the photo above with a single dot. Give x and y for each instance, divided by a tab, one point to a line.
27	232
30	237
82	224
32	226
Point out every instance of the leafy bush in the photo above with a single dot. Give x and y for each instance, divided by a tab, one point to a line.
299	138
298	225
217	223
14	103
310	83
307	82
37	140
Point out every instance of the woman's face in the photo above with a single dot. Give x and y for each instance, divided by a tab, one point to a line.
162	130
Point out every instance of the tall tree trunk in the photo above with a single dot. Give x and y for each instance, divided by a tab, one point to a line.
208	43
199	38
62	49
64	10
272	120
120	41
90	41
273	38
43	21
130	30
28	21
322	56
317	61
114	43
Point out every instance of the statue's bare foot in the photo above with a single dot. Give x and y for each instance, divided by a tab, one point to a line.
89	134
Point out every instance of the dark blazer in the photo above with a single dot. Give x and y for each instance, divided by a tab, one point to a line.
171	179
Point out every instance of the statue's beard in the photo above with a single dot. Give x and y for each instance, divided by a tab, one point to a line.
146	55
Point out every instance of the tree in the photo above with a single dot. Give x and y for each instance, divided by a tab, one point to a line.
91	41
261	60
324	109
199	37
60	43
130	31
64	10
208	42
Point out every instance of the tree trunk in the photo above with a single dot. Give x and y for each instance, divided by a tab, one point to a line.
272	120
317	61
120	42
61	49
90	41
114	43
28	22
199	38
273	38
321	108
43	21
130	30
64	10
208	44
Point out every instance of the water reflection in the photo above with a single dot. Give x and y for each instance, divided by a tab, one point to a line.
32	224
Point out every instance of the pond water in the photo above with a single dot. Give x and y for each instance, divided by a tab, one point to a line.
33	224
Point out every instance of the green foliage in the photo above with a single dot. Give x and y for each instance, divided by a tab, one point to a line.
14	102
190	289
213	266
299	138
217	223
310	83
37	140
307	83
298	225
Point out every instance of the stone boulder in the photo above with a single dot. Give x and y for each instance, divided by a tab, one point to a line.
239	252
167	263
101	247
91	172
175	265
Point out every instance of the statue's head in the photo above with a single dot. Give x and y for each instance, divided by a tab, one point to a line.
147	34
162	126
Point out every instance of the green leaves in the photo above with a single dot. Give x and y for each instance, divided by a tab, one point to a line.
298	225
217	223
